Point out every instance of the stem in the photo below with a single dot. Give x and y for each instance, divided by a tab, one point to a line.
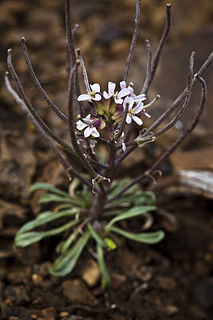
37	83
175	145
159	48
52	146
134	39
32	109
148	68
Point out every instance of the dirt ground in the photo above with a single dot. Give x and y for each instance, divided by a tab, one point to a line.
171	280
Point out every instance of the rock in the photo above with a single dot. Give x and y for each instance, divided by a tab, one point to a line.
19	275
166	283
91	273
203	291
76	292
18	294
9	211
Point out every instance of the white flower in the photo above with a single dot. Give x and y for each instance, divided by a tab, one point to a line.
133	111
116	95
92	95
88	126
139	98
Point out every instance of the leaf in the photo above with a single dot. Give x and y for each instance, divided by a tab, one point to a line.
45	198
134	212
26	239
148	238
47	187
66	263
46	217
96	236
111	245
100	258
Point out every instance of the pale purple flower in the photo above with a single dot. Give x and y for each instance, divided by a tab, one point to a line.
92	95
133	111
88	125
139	98
116	95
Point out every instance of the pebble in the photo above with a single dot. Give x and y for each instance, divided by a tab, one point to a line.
75	291
166	283
91	273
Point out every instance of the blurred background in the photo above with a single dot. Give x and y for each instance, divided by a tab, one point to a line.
104	37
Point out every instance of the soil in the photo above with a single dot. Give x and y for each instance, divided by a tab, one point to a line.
171	280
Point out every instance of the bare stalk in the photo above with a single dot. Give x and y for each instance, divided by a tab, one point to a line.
148	67
159	48
52	146
84	70
169	110
175	145
74	141
134	39
38	84
71	52
33	111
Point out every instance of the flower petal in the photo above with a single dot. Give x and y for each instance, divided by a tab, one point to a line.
111	87
123	84
95	87
97	97
88	131
138	108
128	119
140	97
84	97
80	125
137	120
95	133
118	101
106	95
124	92
123	146
146	114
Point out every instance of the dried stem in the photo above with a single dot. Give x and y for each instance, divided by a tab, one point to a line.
175	145
52	146
71	52
160	47
169	110
134	39
75	144
84	71
148	68
38	85
33	111
186	101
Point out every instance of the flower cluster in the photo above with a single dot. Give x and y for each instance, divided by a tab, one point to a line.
111	106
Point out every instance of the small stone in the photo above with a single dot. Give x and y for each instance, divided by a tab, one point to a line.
63	314
75	291
37	279
91	273
166	283
171	310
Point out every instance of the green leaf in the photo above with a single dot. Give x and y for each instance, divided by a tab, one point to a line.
100	258
46	197
47	187
46	217
134	212
66	263
96	236
25	239
148	238
111	245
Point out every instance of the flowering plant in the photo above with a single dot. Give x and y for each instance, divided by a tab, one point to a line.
98	201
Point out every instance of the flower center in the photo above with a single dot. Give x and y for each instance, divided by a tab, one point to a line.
93	94
131	112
